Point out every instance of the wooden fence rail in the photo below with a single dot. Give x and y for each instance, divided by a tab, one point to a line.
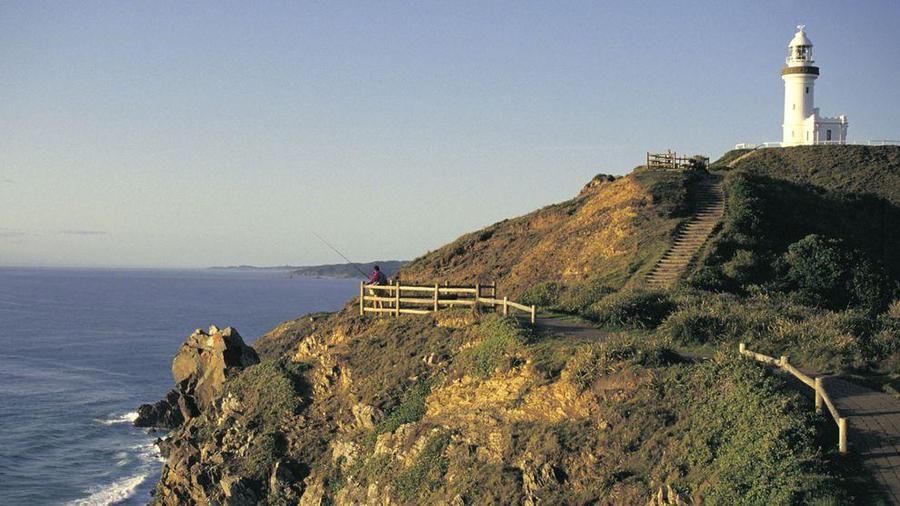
814	383
671	161
410	299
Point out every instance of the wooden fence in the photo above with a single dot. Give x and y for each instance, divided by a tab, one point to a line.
814	383
671	161
407	299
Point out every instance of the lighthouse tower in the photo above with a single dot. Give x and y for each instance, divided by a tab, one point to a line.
802	123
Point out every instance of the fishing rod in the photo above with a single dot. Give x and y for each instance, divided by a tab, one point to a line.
341	254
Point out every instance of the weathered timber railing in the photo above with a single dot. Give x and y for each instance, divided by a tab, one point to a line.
411	299
671	161
814	383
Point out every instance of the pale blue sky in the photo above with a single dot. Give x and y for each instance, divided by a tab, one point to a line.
176	135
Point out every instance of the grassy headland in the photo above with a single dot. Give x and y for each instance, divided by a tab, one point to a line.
464	408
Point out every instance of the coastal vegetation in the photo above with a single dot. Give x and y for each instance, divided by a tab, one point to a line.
462	407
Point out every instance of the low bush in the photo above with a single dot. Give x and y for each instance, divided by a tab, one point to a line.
426	471
744	267
751	443
581	296
411	409
595	360
694	326
632	309
817	266
826	273
543	295
262	454
502	340
269	391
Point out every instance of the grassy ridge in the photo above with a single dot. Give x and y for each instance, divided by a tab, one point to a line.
612	232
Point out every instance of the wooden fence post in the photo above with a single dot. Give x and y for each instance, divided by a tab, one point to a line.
842	435
533	314
505	306
436	289
818	388
397	300
362	299
477	294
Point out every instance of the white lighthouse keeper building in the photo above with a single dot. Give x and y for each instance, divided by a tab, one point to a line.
802	123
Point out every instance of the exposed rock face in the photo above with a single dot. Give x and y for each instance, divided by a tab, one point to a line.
203	363
165	413
200	368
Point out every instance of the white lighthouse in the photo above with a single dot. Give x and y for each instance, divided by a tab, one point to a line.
802	123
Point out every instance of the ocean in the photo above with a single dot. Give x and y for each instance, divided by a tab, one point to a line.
81	349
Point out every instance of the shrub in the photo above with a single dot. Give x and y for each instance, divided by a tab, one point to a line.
817	268
595	360
544	294
632	309
427	470
262	454
269	391
502	340
870	286
579	298
827	274
412	409
743	267
708	277
751	443
894	310
694	326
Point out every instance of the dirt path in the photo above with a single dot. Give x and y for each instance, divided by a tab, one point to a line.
571	326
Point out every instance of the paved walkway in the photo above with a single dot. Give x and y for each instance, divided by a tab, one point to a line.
873	430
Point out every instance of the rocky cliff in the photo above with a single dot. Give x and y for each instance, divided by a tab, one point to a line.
462	408
200	368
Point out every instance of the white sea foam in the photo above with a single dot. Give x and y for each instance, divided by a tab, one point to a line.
116	491
126	418
149	453
124	488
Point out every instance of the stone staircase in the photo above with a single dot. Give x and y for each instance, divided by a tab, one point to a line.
710	205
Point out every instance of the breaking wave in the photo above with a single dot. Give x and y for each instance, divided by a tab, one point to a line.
129	417
124	488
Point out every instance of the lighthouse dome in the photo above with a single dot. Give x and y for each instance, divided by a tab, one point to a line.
800	50
800	38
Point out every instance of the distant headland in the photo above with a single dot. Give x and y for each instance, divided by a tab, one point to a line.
343	271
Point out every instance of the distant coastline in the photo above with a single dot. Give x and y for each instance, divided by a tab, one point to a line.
339	271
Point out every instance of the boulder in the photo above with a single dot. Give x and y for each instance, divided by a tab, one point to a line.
165	413
203	363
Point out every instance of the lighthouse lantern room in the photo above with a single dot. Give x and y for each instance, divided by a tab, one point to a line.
802	123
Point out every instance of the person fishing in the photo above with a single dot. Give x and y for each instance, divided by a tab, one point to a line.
377	277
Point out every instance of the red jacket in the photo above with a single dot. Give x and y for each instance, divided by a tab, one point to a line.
378	278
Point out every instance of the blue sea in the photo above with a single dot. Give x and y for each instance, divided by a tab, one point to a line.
81	349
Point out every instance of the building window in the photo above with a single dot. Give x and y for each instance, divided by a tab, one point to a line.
807	90
793	107
807	135
792	134
827	135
